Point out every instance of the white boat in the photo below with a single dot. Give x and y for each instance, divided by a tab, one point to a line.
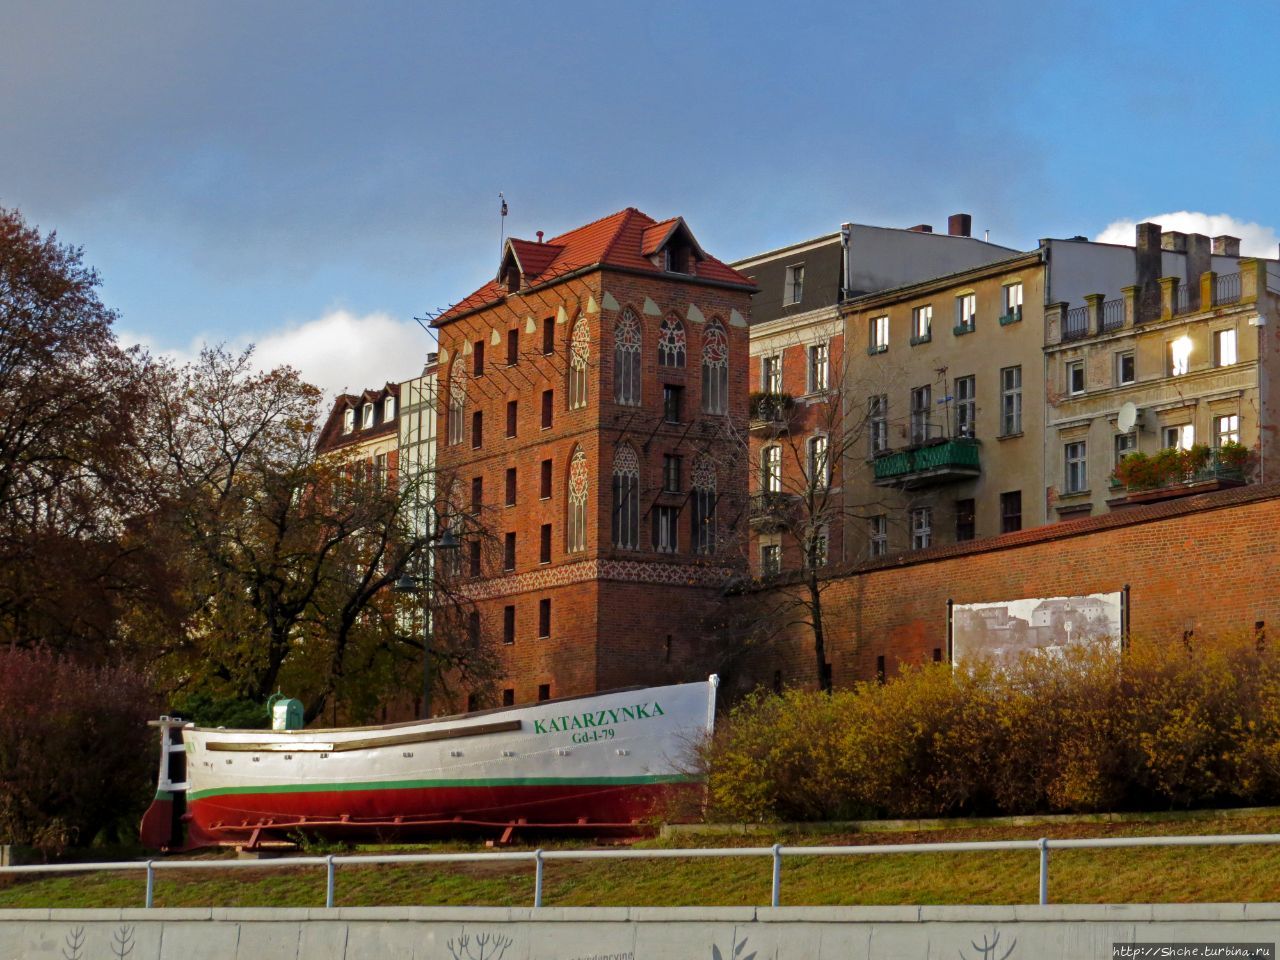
602	761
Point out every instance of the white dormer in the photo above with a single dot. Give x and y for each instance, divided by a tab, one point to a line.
388	409
367	420
348	420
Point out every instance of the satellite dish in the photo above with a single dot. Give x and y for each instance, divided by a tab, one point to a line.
1128	416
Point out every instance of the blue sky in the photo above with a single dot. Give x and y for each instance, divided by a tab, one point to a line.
309	176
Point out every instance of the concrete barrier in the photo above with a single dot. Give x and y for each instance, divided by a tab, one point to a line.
1080	932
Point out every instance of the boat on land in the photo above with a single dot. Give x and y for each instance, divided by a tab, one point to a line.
596	763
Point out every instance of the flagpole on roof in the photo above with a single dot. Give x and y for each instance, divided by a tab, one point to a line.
502	223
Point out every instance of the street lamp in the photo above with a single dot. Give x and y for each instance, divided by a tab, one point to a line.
411	584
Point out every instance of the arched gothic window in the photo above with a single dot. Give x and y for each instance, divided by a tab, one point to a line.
626	359
704	505
626	498
578	485
457	400
579	357
715	369
671	349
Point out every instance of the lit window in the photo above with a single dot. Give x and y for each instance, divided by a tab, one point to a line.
348	420
1180	437
966	312
366	421
1124	368
1010	401
1126	444
388	409
818	368
879	330
921	527
922	324
819	462
795	283
1224	348
771	374
966	407
1179	356
1012	306
921	407
771	470
1076	478
1226	429
878	423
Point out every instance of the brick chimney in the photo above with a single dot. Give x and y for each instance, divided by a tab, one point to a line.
921	228
1199	260
959	225
1173	240
1225	246
1147	270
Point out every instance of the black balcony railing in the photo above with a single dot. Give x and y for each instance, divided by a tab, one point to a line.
1112	317
1182	299
1075	324
1226	289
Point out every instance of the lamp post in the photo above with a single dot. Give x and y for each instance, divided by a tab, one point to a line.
408	583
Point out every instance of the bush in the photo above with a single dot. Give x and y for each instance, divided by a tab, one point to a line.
77	760
1167	725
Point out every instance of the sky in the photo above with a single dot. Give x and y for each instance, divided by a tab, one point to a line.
309	177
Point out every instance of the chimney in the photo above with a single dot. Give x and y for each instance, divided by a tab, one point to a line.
959	225
920	228
1225	246
1199	260
539	236
1148	268
1173	240
432	357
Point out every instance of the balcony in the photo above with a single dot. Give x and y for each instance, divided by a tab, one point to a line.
770	413
948	461
1173	473
771	511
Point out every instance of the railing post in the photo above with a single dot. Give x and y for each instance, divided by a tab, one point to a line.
328	881
537	878
151	883
1044	871
775	899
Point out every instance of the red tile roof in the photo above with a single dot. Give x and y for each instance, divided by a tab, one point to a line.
624	239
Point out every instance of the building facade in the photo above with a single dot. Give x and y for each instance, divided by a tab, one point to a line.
364	429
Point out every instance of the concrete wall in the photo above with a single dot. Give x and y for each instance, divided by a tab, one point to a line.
479	933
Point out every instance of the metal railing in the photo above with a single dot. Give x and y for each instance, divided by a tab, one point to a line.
1112	316
1182	299
1076	323
541	857
1226	289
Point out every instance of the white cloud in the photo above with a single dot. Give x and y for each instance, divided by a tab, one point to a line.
338	352
1255	239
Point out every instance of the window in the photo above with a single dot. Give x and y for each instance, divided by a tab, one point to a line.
366	421
473	627
1077	480
819	462
666	529
922	324
579	357
473	558
818	368
548	335
671	343
388	409
1224	347
1075	377
966	312
477	494
921	527
1226	429
770	559
794	283
477	430
1181	437
348	420
921	405
544	482
578	484
965	519
477	359
878	538
715	369
513	346
544	618
544	543
1011	307
509	697
966	407
626	498
548	406
703	522
771	470
771	374
879	335
509	551
672	403
1124	368
671	472
512	417
1010	401
817	551
457	401
1178	356
878	424
1125	444
511	487
544	692
626	359
509	624
1011	511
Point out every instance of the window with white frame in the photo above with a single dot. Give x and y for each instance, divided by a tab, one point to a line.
879	335
1181	436
771	374
921	323
966	407
1178	356
921	527
1226	429
967	311
819	461
1075	377
818	368
1125	370
1010	401
878	536
1224	347
795	283
878	424
1076	473
817	550
770	559
921	407
1125	444
348	420
366	419
771	469
388	409
1012	301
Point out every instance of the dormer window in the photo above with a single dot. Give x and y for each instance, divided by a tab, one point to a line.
348	420
677	258
511	277
388	409
367	420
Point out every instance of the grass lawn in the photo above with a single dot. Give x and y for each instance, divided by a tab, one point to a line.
1167	875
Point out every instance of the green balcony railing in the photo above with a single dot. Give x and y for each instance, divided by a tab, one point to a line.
955	457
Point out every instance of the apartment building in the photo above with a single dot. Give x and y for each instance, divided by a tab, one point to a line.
365	429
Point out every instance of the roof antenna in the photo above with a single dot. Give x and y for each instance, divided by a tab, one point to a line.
502	225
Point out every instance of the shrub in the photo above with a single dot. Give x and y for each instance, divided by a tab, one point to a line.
77	760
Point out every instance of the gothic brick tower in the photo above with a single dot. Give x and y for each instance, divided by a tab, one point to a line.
590	397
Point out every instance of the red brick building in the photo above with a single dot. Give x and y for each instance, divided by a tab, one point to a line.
591	404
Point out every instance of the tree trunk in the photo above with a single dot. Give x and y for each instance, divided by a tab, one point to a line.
819	637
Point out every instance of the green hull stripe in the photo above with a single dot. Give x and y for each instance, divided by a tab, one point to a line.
163	795
379	785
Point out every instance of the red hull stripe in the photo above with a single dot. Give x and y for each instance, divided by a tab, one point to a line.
442	784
